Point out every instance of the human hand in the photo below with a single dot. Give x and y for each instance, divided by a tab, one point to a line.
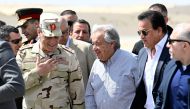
45	66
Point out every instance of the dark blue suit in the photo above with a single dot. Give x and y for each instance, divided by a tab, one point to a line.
140	98
162	100
11	80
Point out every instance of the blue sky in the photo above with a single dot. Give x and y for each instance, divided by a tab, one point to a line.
99	2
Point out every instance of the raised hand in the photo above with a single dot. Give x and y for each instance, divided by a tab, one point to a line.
44	66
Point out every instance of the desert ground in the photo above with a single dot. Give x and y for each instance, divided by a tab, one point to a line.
124	19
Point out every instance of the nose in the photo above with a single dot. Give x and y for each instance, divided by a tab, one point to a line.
94	47
81	33
168	45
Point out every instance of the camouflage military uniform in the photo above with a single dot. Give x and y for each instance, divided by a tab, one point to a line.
60	89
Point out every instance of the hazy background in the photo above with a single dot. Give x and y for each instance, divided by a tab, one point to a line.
122	14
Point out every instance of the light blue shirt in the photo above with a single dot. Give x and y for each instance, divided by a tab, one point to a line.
112	85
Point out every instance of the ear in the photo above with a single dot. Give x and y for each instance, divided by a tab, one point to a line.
36	23
166	19
186	45
113	44
70	33
160	31
39	31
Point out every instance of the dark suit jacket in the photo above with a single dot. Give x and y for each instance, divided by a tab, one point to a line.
11	80
162	100
140	98
138	45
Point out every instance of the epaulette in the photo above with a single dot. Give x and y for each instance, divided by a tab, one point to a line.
68	49
23	47
26	42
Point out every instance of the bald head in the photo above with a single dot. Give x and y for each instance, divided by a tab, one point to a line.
182	30
64	23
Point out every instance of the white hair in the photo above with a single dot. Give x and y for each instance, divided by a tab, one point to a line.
110	33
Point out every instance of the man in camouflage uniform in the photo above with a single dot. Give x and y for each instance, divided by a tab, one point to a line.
51	72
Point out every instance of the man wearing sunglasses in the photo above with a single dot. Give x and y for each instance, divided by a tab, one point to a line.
163	10
11	35
174	90
152	58
28	21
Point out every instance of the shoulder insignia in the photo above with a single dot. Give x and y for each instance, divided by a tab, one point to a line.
26	46
68	49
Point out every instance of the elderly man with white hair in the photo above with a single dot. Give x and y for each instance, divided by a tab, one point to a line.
114	77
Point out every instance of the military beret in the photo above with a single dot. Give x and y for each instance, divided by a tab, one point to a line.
25	14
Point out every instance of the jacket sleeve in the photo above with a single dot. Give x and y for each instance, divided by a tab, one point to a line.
30	75
90	57
11	81
76	85
159	98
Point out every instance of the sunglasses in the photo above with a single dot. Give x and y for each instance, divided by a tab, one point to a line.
70	23
16	41
143	32
171	41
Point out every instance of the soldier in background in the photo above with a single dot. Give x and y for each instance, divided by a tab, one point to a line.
51	73
28	21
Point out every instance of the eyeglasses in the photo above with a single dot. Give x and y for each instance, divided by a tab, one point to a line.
171	41
143	32
16	41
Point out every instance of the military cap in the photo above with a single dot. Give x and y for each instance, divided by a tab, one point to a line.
50	25
25	14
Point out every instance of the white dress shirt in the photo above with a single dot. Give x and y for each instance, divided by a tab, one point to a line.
150	69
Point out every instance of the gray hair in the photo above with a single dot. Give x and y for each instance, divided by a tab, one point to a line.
110	34
184	31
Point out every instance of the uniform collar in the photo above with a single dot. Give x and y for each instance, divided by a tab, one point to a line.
36	49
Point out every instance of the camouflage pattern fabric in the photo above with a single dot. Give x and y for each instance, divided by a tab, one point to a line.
62	88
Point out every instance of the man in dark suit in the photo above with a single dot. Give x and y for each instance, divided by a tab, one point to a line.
163	10
11	80
152	58
174	89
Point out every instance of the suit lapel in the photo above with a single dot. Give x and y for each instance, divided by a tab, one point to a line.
143	56
168	74
163	60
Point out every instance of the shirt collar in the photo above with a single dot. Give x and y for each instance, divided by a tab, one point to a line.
160	45
114	57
